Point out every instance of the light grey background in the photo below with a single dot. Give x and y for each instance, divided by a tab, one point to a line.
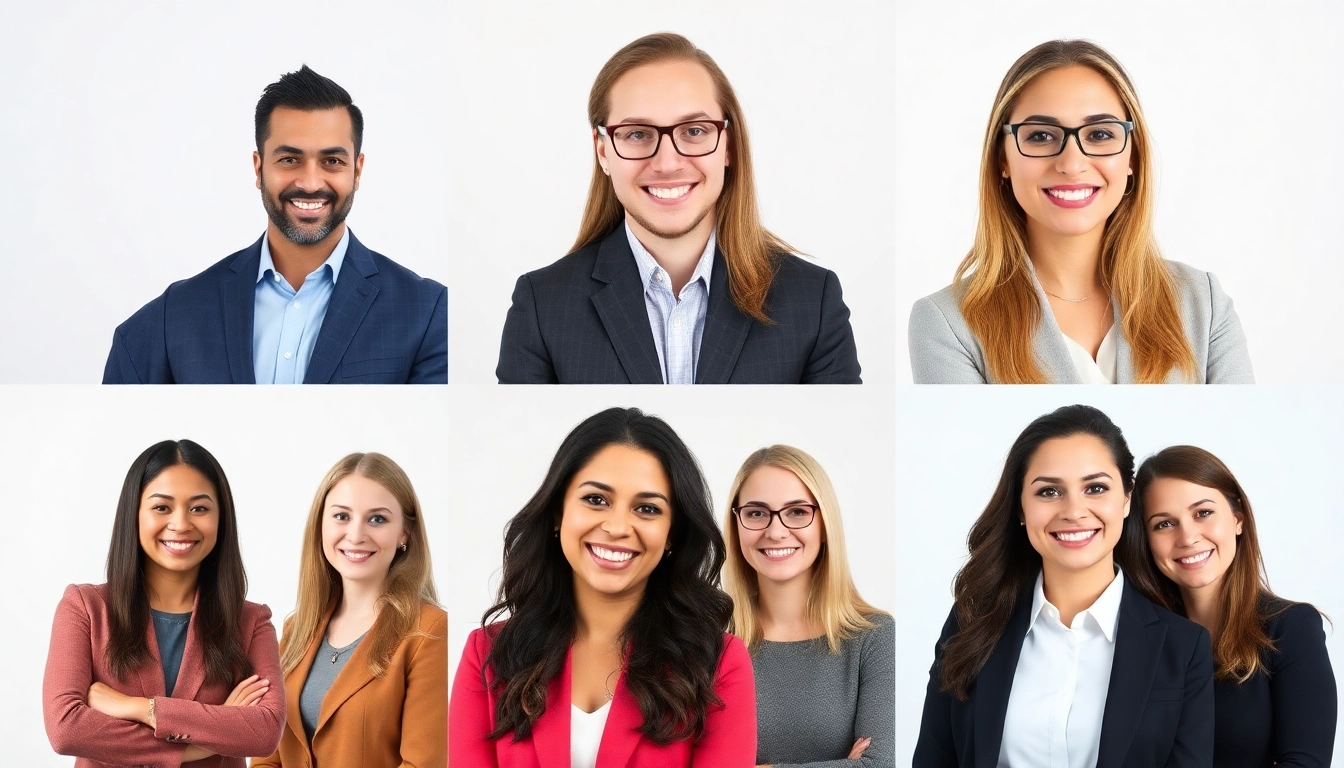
129	132
1282	444
65	452
1241	98
504	443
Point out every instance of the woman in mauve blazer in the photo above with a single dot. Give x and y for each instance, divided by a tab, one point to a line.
610	584
1275	699
1043	553
366	600
109	696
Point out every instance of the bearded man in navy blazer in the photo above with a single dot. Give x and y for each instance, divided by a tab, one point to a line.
355	317
673	279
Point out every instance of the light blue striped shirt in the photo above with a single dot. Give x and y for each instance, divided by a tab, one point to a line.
678	322
285	322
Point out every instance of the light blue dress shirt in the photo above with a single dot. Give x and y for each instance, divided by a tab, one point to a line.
678	322
285	322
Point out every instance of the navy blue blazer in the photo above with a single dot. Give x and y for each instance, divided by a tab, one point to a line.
384	325
583	320
1159	703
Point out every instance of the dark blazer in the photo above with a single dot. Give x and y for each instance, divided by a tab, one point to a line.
384	325
1285	714
583	320
1159	704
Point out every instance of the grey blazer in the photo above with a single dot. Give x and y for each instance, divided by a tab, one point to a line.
944	351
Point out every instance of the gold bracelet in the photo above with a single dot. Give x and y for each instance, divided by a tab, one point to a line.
152	721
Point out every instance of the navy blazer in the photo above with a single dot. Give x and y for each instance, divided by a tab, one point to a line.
1159	703
583	320
384	325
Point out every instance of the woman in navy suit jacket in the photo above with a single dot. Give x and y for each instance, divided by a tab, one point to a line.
614	652
1274	693
1042	570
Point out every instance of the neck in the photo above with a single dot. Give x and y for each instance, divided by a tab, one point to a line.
676	255
359	598
295	262
1202	607
782	608
1066	266
601	618
1075	591
170	591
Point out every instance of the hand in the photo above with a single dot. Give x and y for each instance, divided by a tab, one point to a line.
248	692
114	703
857	750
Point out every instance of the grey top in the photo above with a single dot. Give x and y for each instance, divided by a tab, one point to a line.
812	705
944	351
326	666
170	634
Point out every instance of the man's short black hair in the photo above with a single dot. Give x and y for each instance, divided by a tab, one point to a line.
308	91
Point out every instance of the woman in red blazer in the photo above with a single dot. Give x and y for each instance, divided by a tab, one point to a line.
166	663
613	654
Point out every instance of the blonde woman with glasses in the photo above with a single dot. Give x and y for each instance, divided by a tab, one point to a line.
824	659
1064	283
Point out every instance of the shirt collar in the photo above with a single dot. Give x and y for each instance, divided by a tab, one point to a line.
647	264
1105	612
335	260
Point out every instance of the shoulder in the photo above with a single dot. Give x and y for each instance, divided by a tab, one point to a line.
392	272
255	613
1182	633
1194	284
734	653
91	598
1287	620
574	266
189	294
794	275
939	309
882	633
433	620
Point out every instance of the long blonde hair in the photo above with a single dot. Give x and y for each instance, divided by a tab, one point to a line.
410	579
998	299
749	249
833	602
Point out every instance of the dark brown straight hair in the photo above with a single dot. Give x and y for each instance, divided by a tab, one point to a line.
221	585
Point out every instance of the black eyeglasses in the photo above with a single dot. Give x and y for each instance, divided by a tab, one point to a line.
633	141
1100	139
757	517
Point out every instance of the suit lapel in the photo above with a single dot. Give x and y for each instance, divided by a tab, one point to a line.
351	298
1124	356
191	672
1049	345
151	678
621	308
994	684
353	676
1138	647
726	329
621	734
237	295
294	682
550	734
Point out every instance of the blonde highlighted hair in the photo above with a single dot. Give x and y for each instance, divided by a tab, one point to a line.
749	249
833	602
410	579
998	299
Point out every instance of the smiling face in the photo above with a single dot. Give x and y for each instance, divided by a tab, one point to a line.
667	196
179	520
778	553
362	527
308	174
1073	504
616	520
1070	194
1192	532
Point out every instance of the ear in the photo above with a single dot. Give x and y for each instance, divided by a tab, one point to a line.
1238	516
600	147
256	167
359	169
1127	500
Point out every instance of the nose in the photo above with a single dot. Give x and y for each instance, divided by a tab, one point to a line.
1071	160
308	178
1186	537
617	524
666	159
179	520
1077	508
776	529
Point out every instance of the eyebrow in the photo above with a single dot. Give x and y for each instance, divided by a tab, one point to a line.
1055	121
785	504
1201	501
205	496
647	121
384	510
285	149
1093	476
640	495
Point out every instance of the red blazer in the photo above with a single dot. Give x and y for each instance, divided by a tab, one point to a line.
729	742
193	715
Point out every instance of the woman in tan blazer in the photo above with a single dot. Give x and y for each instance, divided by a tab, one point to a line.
365	652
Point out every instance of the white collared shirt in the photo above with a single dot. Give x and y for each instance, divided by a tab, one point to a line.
1103	370
585	735
677	320
1059	689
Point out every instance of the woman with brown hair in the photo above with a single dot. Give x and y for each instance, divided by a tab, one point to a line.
1274	690
1065	283
365	651
1050	655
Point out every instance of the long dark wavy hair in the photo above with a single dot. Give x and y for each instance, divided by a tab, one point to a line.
221	584
673	641
1002	563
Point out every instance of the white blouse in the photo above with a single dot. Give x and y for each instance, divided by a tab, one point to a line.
585	735
1099	371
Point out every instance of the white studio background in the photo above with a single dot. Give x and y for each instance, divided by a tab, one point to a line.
816	83
1240	97
1283	445
504	445
65	453
129	127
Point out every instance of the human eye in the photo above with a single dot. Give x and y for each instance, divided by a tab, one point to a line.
1203	513
335	161
635	134
695	132
1049	492
1038	134
1094	489
339	515
1161	524
378	519
649	510
753	513
798	513
201	509
594	499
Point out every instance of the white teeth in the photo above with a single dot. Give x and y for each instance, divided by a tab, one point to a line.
308	206
178	546
611	554
1071	194
780	552
1074	535
669	193
1193	559
356	556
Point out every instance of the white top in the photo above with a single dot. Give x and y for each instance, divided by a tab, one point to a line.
1059	689
1099	371
585	735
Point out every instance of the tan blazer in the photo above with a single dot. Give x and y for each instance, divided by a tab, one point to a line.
399	720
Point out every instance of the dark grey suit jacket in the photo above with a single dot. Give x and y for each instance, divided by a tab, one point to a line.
583	320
